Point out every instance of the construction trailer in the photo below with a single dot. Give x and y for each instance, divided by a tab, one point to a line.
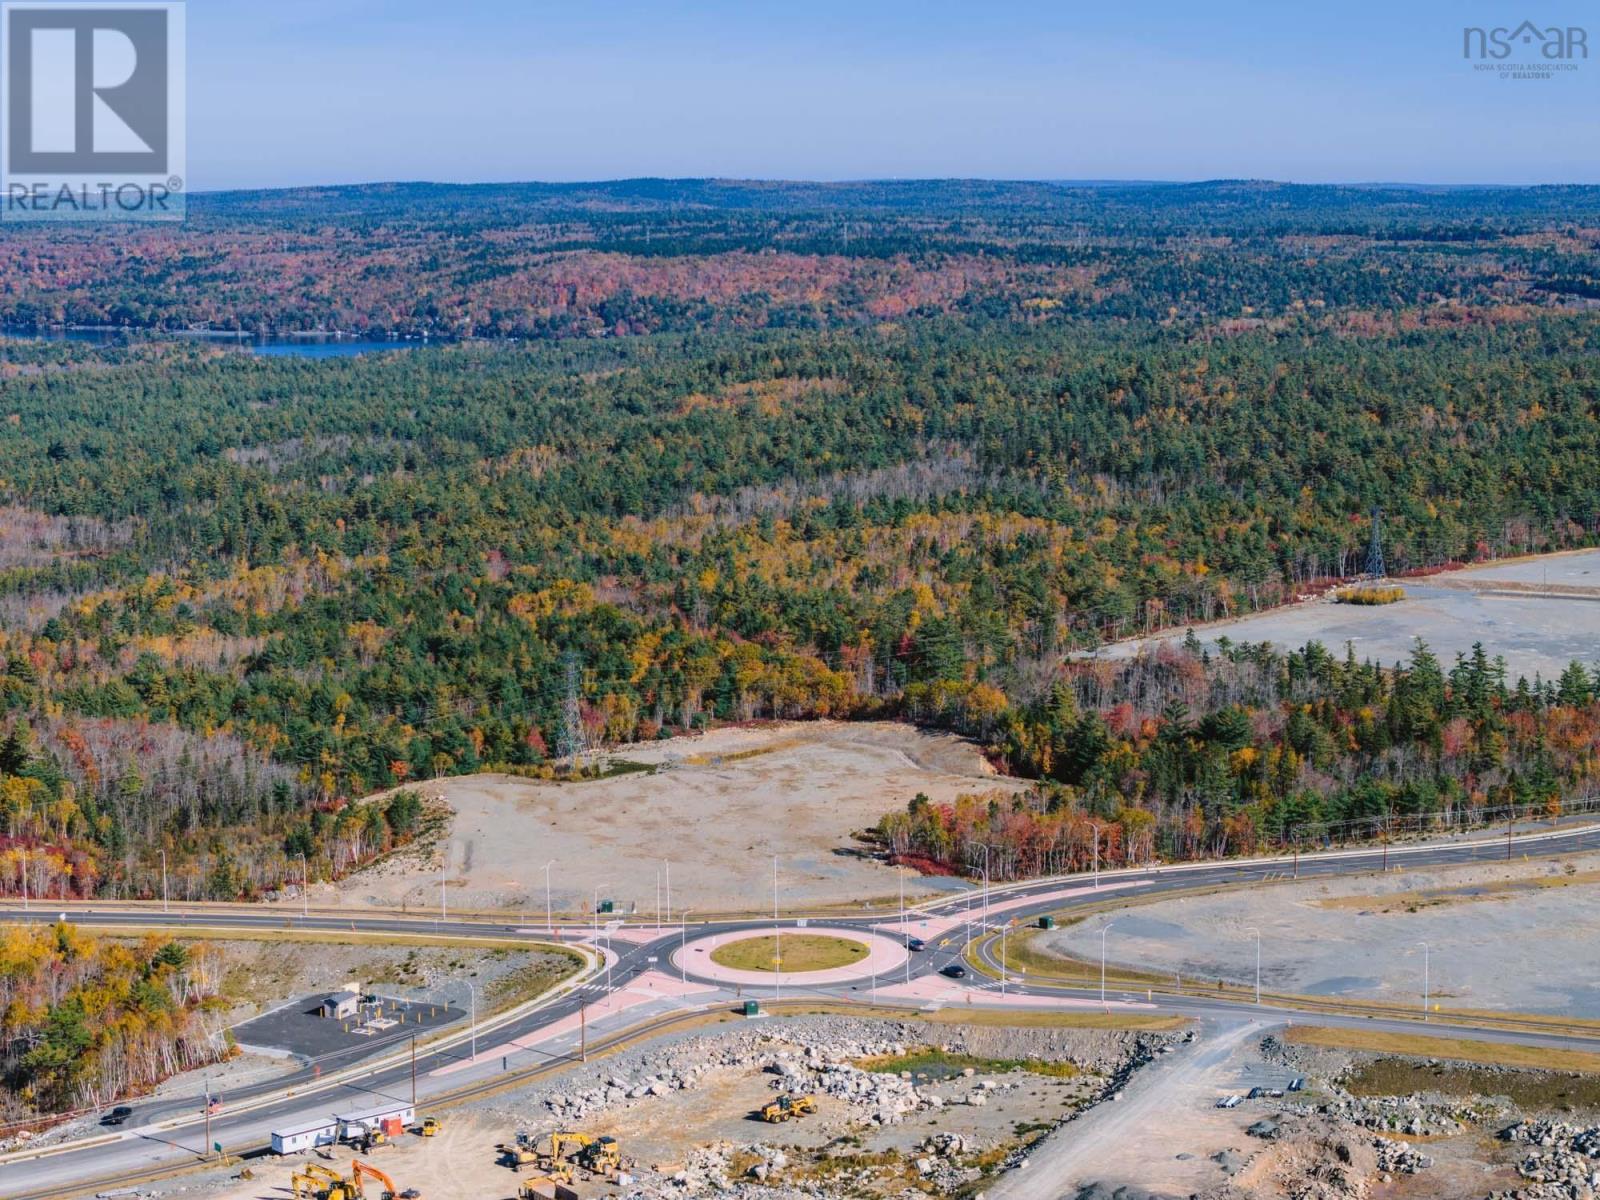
307	1136
388	1119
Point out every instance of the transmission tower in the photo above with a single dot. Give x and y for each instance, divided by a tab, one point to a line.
1375	567
571	745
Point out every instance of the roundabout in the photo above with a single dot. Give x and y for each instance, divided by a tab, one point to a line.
809	956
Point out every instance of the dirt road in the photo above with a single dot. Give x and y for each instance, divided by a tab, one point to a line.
1136	1140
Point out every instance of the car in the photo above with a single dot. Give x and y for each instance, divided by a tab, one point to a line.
916	944
954	971
117	1115
1228	1102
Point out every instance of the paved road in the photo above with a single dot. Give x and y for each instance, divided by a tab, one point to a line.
250	1113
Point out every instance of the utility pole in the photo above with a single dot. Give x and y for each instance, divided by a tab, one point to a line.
207	1154
1425	981
571	744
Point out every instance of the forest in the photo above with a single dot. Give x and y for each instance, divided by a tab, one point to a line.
1183	755
85	1020
747	474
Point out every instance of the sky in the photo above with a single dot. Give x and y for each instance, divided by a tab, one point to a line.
286	92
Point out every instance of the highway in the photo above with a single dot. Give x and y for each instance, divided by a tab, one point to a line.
170	1134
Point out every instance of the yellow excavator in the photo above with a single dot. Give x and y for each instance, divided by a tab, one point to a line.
319	1183
788	1106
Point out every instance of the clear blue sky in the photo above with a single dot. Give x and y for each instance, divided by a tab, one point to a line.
316	91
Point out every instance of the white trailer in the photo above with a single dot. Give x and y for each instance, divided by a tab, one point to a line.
321	1132
352	1125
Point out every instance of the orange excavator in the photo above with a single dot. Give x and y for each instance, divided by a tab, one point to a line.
391	1191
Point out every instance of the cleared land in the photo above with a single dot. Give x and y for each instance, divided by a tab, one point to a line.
1535	633
793	952
718	806
1514	937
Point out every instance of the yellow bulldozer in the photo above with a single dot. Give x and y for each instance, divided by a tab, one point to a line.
599	1155
788	1106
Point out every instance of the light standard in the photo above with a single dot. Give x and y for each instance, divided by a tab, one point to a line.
444	905
683	935
305	883
1257	932
549	919
1105	929
1425	980
24	879
473	993
1003	929
597	888
164	881
1096	855
777	938
668	866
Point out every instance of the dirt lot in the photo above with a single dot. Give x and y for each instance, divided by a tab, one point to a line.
1515	936
691	1128
1535	634
718	806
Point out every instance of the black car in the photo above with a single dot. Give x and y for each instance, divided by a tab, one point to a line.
117	1115
916	944
955	971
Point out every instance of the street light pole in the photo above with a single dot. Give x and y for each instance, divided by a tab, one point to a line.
1103	931
1257	932
549	918
473	993
24	879
667	864
1425	980
164	881
777	937
1003	929
1096	856
444	905
305	883
683	954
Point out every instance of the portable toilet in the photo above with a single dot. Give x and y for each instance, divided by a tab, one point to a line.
752	1008
1047	922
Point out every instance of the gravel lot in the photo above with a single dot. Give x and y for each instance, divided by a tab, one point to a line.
1516	936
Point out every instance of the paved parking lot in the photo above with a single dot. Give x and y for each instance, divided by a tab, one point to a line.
299	1029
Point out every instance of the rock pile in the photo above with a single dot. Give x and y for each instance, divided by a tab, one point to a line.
1560	1162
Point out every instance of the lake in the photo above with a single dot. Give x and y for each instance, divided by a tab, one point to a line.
271	346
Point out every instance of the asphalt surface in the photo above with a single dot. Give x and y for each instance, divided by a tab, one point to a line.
149	1142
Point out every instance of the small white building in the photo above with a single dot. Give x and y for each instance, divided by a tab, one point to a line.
339	1005
322	1132
371	1120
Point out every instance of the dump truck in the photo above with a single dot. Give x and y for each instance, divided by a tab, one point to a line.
788	1106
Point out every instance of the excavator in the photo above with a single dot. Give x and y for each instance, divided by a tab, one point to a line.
319	1183
360	1169
788	1106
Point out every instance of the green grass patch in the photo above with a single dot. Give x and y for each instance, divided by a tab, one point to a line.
938	1064
1534	1091
800	951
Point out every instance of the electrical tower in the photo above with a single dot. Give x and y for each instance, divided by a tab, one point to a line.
1375	567
571	745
